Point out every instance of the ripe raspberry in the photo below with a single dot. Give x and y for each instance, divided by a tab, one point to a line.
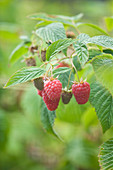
66	97
53	89
38	83
39	92
62	64
51	104
81	92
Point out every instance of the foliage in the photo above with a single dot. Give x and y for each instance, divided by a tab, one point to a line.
106	155
87	52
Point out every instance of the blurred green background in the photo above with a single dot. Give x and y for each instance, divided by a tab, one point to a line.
23	142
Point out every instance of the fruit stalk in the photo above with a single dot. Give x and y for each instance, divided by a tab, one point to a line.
75	70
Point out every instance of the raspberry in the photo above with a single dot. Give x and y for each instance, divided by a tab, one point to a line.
70	34
38	83
33	48
51	104
66	97
62	64
53	89
81	92
43	55
39	92
30	61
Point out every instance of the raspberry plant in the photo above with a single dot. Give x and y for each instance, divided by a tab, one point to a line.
58	51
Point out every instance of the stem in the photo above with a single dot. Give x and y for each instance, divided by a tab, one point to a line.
75	70
69	79
51	69
48	62
61	59
47	72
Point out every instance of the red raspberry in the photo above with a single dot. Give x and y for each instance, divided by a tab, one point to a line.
62	64
39	92
81	92
53	89
51	104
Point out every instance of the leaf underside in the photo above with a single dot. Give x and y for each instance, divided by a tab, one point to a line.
106	155
24	75
102	101
48	118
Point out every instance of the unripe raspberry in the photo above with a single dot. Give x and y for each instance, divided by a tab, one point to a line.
33	48
62	64
66	97
70	34
53	89
81	92
43	55
51	104
38	83
30	61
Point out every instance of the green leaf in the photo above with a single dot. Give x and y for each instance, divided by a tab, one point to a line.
93	53
103	67
102	40
65	51
42	24
48	118
83	37
82	52
63	74
66	20
109	23
72	18
102	101
58	46
53	32
20	50
76	63
24	75
106	155
90	29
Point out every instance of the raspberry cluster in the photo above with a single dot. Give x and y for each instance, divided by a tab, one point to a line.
51	93
50	90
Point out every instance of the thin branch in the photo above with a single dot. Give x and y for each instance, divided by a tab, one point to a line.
75	70
69	79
